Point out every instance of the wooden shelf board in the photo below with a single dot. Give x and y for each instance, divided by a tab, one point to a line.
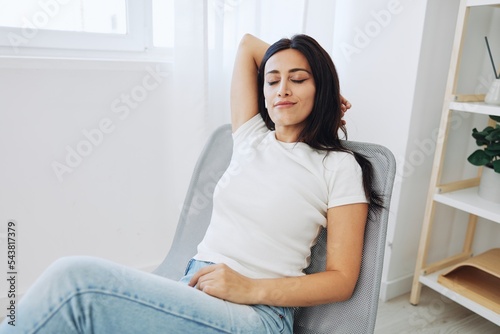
472	3
469	201
431	281
476	107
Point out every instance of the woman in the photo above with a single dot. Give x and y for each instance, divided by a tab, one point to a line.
289	176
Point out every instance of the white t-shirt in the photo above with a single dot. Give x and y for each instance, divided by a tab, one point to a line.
271	203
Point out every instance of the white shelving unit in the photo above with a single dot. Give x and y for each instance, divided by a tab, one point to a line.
475	107
461	195
467	200
431	281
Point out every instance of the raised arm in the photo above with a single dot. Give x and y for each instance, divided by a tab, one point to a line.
244	81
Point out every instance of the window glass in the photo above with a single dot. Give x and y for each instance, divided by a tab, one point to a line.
95	16
163	23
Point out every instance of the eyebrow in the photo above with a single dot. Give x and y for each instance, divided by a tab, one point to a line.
290	71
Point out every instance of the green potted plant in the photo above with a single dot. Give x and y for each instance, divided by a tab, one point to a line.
489	157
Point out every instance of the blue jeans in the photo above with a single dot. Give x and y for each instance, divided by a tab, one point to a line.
91	295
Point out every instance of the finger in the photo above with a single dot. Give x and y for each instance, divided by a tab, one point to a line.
345	103
345	106
202	272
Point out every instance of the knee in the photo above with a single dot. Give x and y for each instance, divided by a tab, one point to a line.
65	277
72	264
75	269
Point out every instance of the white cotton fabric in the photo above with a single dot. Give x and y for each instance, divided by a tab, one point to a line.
271	203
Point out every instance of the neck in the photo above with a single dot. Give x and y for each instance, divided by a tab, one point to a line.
287	135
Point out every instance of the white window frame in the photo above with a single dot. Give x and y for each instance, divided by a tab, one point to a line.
137	43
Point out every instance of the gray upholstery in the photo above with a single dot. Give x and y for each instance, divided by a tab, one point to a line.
356	315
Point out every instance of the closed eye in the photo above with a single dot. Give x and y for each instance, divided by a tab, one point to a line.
299	81
270	83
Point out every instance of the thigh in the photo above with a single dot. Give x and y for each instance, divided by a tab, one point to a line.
275	319
89	295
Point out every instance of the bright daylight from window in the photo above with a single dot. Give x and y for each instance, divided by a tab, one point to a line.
118	20
95	16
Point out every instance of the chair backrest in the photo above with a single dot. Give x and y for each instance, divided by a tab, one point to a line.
356	315
197	209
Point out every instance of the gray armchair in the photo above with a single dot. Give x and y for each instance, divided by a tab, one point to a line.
356	315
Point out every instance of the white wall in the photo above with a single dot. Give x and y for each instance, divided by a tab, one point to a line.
415	164
118	202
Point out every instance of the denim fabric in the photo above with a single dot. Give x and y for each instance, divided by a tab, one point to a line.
283	321
91	295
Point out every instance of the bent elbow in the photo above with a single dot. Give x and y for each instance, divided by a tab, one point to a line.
346	295
347	291
246	39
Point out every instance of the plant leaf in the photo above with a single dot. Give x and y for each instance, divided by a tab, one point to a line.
481	134
494	146
493	135
496	166
492	153
478	158
495	118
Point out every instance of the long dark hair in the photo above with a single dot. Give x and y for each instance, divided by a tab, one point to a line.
321	130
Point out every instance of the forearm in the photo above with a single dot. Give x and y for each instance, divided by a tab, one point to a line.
314	289
244	80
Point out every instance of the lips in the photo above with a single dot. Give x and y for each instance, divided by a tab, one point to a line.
284	104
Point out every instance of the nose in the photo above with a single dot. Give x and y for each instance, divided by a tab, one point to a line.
283	89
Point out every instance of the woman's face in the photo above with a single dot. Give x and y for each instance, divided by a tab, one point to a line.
289	91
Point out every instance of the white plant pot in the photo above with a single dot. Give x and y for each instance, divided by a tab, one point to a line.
493	96
489	186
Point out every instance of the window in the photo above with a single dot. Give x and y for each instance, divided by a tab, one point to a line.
84	15
111	28
163	23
